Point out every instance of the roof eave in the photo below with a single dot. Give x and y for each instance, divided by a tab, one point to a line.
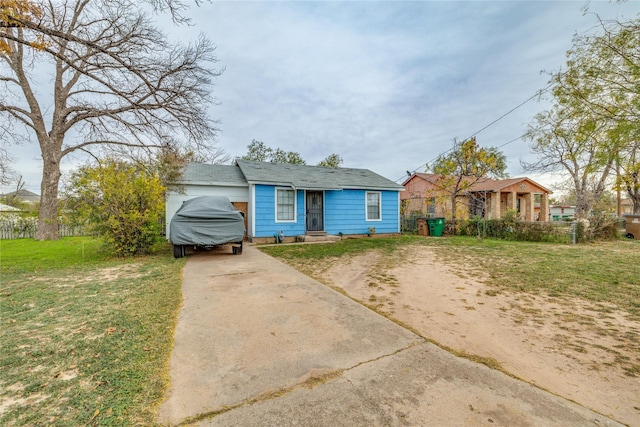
209	183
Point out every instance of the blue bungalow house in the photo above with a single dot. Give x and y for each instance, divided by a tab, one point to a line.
289	201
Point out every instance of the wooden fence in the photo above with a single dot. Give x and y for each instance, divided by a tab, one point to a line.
26	229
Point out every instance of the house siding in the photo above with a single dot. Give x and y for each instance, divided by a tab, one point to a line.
344	212
265	213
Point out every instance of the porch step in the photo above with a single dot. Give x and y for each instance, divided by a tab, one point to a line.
317	238
316	233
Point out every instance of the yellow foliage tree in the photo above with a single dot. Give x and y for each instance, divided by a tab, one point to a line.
463	166
16	16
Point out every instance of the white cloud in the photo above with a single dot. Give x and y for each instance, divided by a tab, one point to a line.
387	85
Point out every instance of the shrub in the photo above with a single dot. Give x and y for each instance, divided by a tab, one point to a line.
602	227
122	202
508	228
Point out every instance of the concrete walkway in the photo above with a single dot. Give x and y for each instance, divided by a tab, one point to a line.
260	344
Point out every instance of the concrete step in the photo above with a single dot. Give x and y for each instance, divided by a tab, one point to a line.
318	238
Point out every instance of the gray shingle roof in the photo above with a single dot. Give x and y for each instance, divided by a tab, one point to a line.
198	173
25	195
314	177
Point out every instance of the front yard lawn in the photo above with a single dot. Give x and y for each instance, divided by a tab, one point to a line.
85	337
603	272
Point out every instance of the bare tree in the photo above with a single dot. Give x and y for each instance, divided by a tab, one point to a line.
7	174
116	82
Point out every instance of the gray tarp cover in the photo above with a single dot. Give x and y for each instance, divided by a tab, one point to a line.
206	220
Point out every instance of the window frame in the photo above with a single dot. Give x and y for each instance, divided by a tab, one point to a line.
276	204
366	206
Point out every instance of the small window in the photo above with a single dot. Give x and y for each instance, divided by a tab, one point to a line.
373	207
285	205
431	206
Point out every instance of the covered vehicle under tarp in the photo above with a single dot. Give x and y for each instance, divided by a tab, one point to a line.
206	221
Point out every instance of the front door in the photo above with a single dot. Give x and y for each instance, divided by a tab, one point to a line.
315	211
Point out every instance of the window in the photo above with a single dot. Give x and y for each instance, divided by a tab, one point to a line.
373	207
431	207
285	205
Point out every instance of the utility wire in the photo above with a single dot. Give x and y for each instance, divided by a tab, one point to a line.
535	95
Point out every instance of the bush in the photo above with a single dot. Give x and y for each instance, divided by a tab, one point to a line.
602	227
599	227
509	229
122	202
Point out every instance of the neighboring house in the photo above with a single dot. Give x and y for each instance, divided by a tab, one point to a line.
626	206
24	196
487	198
6	208
296	200
562	213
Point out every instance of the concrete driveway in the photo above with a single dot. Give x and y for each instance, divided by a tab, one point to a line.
259	344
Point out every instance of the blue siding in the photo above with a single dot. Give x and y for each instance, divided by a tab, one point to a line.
344	212
265	213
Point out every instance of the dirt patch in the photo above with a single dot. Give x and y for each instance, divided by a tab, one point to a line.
101	275
584	352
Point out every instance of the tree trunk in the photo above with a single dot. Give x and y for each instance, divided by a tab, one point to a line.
583	204
635	200
48	220
454	202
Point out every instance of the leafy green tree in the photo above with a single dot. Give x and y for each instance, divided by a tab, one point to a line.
594	122
628	177
259	151
331	161
121	202
463	166
572	141
292	157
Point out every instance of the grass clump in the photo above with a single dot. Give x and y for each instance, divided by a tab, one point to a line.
86	337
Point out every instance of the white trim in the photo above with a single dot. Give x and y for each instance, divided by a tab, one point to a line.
212	184
366	206
275	204
252	208
399	219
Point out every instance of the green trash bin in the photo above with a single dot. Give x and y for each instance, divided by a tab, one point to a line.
436	226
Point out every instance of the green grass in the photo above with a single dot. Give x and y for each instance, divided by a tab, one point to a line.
29	256
338	249
603	272
85	337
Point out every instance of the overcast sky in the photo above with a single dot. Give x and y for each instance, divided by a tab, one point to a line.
387	85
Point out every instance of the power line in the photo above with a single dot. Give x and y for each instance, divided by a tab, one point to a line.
535	95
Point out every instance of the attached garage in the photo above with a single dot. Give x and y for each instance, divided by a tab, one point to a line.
208	180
